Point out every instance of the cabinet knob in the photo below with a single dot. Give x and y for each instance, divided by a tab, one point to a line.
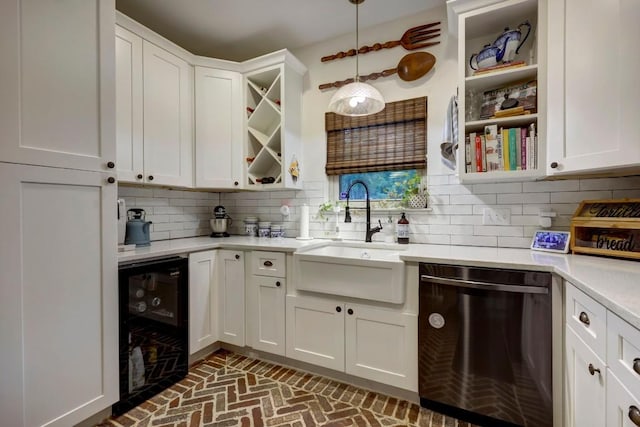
554	165
268	264
111	165
634	415
584	318
111	180
350	311
237	256
278	284
338	309
636	365
236	183
593	370
139	176
150	177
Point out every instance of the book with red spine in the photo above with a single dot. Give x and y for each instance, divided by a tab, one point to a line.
523	148
478	153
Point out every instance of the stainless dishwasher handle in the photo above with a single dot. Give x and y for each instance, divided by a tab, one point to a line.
484	285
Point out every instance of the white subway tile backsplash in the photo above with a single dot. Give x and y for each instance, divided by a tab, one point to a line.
510	199
550	186
455	218
577	196
498	230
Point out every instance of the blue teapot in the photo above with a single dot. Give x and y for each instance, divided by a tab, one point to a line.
510	42
487	57
137	231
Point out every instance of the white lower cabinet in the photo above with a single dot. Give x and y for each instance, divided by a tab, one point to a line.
266	314
315	331
231	297
203	325
623	408
584	386
602	365
370	342
58	295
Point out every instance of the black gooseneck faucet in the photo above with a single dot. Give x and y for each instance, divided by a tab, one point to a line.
347	214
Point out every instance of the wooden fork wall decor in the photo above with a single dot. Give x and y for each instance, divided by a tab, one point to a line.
413	38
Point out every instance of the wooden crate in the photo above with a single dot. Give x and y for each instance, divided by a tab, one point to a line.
607	227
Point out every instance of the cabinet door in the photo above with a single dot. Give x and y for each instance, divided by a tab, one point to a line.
59	295
168	135
265	314
593	92
315	331
57	68
218	128
395	362
230	284
129	106
623	408
202	300
585	392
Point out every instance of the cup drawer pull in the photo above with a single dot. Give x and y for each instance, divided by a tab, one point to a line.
268	264
634	415
584	318
636	365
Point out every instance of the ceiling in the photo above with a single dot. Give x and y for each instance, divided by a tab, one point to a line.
241	29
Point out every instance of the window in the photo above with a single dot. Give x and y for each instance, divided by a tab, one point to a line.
387	185
384	150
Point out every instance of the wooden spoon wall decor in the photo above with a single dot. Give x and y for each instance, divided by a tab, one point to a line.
411	67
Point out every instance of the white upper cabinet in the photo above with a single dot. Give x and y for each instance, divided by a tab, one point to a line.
56	97
129	106
218	128
594	96
167	117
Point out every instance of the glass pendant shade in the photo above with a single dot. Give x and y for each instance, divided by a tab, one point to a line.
356	99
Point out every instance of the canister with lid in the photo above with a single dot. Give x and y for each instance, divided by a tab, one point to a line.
251	226
277	230
264	229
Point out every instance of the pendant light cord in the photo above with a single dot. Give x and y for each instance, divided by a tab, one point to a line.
357	79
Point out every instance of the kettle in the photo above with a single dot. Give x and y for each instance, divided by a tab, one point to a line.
509	42
137	231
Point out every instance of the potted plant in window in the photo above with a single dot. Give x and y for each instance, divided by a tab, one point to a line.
415	194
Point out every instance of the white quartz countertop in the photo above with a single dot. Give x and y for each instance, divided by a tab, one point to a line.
613	283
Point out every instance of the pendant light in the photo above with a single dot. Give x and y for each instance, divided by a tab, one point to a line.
357	98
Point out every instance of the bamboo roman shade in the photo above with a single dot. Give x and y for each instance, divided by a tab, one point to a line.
393	139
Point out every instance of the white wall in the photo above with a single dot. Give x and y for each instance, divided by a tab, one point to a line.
438	85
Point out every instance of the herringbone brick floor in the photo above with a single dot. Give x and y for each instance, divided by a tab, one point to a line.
227	389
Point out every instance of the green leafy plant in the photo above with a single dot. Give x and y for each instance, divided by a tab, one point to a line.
325	208
414	186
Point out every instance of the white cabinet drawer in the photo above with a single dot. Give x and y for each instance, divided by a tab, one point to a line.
268	263
623	352
623	408
587	318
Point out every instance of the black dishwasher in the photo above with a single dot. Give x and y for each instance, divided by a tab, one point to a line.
485	346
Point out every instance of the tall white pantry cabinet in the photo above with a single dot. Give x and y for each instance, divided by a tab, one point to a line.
58	290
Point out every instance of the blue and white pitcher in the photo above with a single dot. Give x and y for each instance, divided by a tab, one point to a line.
487	57
510	42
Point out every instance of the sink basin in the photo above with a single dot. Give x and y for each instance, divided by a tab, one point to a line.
366	271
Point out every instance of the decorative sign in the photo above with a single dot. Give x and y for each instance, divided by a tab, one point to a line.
607	227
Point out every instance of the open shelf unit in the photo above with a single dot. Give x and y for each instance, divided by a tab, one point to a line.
272	137
477	28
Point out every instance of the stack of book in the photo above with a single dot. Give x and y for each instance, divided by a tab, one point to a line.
502	149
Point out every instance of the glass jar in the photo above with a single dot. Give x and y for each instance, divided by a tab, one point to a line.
264	229
251	226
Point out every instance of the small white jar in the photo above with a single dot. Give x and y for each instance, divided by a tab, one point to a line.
264	229
251	226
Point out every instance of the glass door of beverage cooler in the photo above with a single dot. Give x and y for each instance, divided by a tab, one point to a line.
153	329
